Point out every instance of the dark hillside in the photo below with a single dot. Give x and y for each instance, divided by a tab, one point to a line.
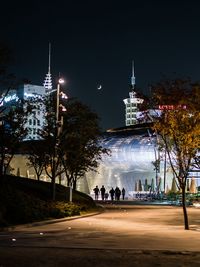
23	200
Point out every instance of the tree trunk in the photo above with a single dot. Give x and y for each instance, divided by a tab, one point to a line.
68	180
60	179
38	176
2	164
1	169
53	180
184	209
74	184
53	188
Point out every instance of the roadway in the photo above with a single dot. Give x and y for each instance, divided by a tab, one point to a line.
122	234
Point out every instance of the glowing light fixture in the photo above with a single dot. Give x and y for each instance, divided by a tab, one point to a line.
61	81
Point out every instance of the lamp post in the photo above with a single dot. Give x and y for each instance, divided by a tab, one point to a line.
59	123
60	81
58	126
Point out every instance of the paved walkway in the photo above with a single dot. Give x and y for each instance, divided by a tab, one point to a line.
123	234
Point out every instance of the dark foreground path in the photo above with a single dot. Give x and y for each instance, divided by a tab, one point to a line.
121	236
51	257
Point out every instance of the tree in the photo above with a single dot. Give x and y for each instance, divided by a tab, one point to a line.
36	156
12	132
52	156
12	116
178	126
71	144
80	141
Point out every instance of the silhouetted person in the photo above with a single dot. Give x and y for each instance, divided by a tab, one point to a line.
112	193
123	193
103	190
117	193
96	192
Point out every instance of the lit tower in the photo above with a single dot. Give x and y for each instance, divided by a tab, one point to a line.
132	102
48	81
133	77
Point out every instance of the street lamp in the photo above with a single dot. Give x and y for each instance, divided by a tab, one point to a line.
58	127
60	81
58	122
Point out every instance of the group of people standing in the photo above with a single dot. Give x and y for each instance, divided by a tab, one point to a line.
115	194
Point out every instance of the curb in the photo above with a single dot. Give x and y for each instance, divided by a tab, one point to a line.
51	221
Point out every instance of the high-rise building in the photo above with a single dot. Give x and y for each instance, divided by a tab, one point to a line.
132	103
32	94
35	121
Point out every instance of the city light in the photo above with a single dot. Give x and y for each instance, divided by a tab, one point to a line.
61	81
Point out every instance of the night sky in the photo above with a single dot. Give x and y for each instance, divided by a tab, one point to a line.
94	43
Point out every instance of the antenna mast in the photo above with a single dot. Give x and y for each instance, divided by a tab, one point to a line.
133	76
48	81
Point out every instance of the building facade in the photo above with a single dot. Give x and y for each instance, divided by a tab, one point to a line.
33	94
130	165
35	121
132	108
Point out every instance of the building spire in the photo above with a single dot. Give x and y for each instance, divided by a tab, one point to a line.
48	81
132	103
133	76
49	69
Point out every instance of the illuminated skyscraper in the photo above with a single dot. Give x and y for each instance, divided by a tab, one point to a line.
35	121
33	94
132	103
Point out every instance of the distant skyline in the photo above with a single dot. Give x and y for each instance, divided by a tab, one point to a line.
94	43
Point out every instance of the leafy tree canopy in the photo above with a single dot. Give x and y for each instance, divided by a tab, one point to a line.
80	143
178	126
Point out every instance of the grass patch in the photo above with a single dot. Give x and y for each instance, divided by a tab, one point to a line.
24	200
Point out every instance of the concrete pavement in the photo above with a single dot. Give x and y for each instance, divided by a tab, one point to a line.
153	231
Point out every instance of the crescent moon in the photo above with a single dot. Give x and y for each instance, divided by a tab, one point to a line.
99	87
